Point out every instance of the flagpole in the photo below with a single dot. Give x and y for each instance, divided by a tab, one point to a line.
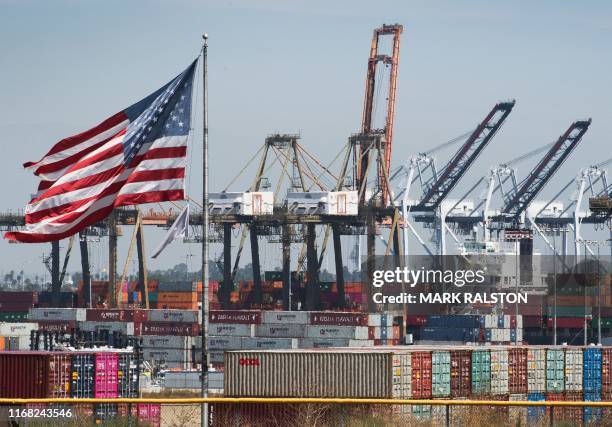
204	328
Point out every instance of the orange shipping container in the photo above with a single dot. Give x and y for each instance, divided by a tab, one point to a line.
176	297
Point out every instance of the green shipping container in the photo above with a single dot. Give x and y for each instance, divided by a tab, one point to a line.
481	372
555	370
152	296
569	310
13	316
606	322
440	374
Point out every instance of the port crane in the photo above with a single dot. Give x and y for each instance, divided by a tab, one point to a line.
439	185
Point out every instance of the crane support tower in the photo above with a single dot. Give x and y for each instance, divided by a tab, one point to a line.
371	140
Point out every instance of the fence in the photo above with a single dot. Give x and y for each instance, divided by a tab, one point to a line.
288	412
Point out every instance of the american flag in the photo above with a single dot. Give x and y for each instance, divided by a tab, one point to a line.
135	156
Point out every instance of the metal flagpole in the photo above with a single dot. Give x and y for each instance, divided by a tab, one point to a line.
204	328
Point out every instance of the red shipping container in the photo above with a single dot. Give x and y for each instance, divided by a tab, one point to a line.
517	370
461	373
13	307
606	370
116	315
421	375
19	297
533	321
167	328
60	365
33	374
234	316
416	320
566	322
339	319
569	414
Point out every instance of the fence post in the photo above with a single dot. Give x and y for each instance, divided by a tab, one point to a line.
447	415
552	416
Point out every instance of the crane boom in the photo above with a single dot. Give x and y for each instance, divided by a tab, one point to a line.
531	186
464	157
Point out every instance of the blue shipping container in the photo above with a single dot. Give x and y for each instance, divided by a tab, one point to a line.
592	370
592	416
535	414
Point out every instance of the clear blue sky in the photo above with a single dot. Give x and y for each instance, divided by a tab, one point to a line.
300	66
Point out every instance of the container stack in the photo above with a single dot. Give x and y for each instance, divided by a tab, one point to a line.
14	306
267	330
424	372
489	328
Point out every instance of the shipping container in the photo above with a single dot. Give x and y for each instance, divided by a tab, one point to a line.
125	328
536	414
288	317
592	415
237	316
328	331
481	372
440	373
177	316
82	375
536	370
499	371
231	329
149	414
58	314
170	341
106	380
517	415
27	374
570	415
421	374
128	376
170	328
517	370
268	343
606	370
555	370
338	319
573	369
314	374
592	370
461	373
116	315
288	330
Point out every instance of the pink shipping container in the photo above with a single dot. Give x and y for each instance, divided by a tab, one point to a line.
106	375
149	414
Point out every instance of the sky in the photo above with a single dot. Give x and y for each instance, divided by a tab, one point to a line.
298	67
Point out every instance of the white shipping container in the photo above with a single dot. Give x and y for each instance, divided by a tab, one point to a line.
169	315
16	343
383	332
490	321
214	357
517	415
292	317
323	342
268	343
573	369
351	332
62	314
171	341
499	371
280	330
224	343
241	203
536	370
507	321
231	329
17	329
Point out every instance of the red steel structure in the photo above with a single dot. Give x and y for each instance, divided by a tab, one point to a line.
392	62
